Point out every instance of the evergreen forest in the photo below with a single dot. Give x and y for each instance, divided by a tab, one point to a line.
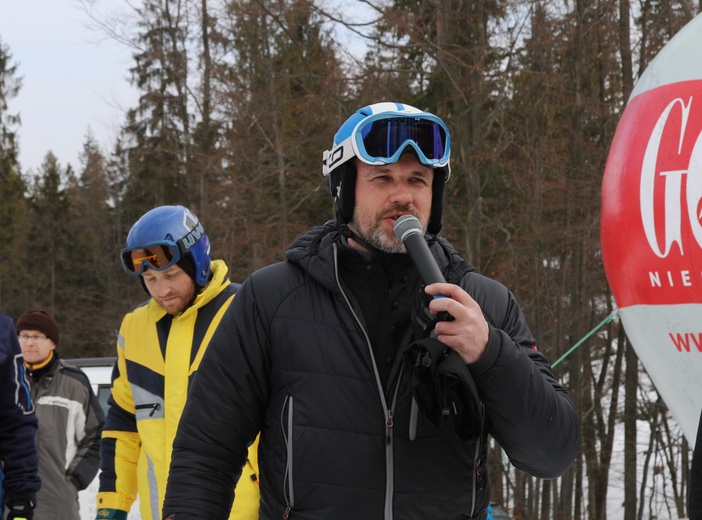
239	98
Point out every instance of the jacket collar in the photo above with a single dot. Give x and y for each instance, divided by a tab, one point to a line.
314	253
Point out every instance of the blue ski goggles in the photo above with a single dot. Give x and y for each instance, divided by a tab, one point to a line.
158	256
383	138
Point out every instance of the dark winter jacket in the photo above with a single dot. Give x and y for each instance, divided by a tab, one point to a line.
18	422
70	424
293	358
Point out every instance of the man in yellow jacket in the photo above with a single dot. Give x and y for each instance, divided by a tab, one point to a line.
159	348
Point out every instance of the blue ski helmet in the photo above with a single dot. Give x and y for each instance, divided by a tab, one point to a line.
379	134
168	235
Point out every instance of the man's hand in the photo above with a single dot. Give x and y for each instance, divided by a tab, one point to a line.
20	508
468	332
423	321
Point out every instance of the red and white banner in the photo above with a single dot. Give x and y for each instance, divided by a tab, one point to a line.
651	227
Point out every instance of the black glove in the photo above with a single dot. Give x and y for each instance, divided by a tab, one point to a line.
20	507
423	321
443	387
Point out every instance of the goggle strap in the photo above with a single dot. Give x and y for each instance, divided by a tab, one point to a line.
338	155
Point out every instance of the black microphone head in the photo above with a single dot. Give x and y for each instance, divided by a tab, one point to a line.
407	225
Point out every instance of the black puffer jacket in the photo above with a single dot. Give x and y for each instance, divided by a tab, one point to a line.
292	359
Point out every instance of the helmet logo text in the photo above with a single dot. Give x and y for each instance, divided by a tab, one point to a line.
335	157
196	230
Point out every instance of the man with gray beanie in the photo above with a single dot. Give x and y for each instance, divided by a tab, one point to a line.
70	418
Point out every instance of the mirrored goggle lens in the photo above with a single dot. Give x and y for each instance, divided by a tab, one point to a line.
383	138
158	257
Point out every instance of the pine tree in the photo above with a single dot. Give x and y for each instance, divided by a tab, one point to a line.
277	100
157	133
13	209
96	285
51	236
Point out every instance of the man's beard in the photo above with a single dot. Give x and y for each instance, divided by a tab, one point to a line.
373	235
380	241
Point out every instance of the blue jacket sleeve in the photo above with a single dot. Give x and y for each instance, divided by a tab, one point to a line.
18	423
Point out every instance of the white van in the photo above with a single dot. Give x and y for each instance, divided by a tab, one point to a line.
99	371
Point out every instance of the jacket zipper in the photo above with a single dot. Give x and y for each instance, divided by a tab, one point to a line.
477	468
388	418
154	407
389	453
388	426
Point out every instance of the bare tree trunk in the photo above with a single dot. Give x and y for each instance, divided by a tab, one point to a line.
520	505
578	511
276	140
653	413
179	63
668	443
469	99
607	435
630	389
685	463
631	382
625	47
545	500
205	147
497	493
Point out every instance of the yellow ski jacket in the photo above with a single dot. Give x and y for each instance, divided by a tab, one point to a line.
157	358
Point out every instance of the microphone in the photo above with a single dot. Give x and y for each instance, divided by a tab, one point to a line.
408	230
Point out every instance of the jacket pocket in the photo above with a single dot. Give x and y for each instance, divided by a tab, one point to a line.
286	420
148	411
147	404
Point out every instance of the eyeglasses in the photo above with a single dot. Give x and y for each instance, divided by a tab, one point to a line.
382	140
158	256
36	339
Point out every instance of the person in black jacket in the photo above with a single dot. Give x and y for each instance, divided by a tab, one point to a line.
374	394
19	464
695	497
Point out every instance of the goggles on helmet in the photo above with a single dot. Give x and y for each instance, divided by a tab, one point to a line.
383	138
158	256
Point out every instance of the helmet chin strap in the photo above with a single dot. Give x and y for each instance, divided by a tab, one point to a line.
348	233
